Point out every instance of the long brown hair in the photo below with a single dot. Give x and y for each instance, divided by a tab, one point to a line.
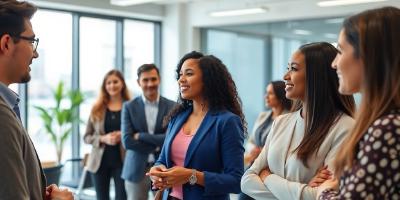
374	35
103	99
321	82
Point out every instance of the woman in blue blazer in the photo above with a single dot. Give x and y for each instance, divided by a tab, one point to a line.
202	156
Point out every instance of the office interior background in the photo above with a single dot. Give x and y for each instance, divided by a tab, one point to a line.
80	40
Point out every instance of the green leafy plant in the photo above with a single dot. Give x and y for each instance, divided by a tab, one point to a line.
58	120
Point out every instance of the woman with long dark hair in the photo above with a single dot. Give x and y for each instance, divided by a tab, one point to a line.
202	156
307	139
103	132
368	163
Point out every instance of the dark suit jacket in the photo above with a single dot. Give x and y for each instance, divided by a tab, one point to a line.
216	150
133	120
20	170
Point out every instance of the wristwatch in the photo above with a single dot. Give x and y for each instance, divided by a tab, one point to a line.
193	178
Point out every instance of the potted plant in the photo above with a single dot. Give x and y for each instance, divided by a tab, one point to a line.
57	123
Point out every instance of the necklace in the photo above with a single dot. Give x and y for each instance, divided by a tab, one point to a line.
113	115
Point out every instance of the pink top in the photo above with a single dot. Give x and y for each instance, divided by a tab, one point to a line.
178	153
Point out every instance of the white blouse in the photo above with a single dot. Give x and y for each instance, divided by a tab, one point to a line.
290	176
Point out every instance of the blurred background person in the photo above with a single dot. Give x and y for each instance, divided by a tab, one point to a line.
368	163
103	132
276	100
202	157
303	141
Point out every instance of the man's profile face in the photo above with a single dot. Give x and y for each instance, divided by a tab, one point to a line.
22	56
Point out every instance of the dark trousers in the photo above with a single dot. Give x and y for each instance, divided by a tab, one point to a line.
101	180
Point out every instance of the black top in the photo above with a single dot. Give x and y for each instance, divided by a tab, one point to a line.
111	156
375	173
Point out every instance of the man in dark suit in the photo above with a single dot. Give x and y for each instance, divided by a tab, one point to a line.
20	169
143	133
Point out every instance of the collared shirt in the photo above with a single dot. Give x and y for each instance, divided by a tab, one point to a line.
151	111
10	97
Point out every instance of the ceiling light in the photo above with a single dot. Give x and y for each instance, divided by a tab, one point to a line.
302	32
247	11
131	2
345	2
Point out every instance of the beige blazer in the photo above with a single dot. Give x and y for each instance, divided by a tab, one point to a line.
95	129
289	176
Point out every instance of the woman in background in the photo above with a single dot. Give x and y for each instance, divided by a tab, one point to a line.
368	163
202	156
103	133
276	100
303	141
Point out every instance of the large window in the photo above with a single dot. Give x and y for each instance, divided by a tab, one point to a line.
245	57
138	49
53	65
97	57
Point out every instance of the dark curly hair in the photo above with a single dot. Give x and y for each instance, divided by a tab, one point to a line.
219	88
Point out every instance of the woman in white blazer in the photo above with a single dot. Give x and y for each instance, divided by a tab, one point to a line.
307	139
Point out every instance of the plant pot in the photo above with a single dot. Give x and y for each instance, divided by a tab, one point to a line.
52	173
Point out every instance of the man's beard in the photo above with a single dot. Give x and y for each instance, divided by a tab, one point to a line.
26	78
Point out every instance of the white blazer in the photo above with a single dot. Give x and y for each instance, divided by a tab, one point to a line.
289	176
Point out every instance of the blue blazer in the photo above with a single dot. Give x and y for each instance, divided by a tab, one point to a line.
133	120
216	150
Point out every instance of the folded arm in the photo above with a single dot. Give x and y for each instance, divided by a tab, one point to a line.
127	129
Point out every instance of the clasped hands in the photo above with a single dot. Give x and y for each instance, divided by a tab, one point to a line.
112	138
163	178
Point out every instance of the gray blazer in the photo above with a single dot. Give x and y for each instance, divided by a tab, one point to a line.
95	129
289	176
133	120
20	169
259	121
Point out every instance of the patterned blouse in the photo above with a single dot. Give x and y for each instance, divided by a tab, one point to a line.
376	171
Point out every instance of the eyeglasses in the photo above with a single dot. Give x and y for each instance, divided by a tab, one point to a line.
34	41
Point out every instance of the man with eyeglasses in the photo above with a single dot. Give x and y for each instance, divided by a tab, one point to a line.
21	173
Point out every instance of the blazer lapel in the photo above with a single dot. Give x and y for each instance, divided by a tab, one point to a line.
160	114
141	115
205	125
176	127
285	141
